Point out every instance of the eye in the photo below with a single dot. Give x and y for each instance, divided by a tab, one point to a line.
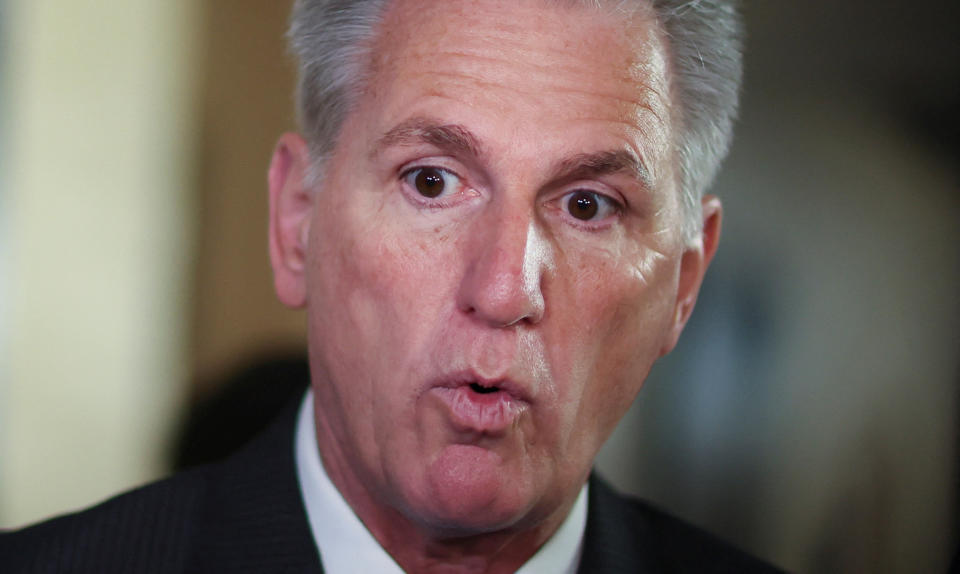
589	206
431	182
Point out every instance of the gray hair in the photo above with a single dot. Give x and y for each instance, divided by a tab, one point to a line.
331	39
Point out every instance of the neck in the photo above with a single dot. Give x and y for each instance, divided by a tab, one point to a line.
490	553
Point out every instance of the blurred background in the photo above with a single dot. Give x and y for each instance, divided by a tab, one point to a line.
810	413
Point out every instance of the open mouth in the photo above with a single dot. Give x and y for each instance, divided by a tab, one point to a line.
478	388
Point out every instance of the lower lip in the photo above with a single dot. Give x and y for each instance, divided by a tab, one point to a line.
481	412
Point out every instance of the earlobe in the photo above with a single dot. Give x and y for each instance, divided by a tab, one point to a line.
290	211
694	262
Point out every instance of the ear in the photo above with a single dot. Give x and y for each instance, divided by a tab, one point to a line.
291	205
693	266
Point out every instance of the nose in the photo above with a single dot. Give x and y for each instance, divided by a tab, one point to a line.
507	260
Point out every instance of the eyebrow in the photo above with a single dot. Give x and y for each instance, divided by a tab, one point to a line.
448	137
458	140
592	165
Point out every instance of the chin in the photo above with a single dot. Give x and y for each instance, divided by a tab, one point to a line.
468	491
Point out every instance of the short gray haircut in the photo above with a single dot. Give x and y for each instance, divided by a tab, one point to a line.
331	40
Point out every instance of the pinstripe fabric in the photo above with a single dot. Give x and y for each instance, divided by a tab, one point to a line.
245	516
154	527
625	535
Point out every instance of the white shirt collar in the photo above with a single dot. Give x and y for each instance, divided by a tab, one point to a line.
346	546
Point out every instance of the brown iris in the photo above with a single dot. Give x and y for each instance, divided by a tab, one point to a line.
583	205
429	182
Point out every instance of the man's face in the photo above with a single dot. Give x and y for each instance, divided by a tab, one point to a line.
493	260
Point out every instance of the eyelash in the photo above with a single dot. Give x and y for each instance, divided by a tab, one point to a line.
615	207
432	203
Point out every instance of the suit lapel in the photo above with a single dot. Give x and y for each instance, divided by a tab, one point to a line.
615	540
253	518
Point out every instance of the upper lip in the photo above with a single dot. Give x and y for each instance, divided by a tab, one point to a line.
461	378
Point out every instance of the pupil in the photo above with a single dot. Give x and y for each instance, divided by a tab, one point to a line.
583	205
429	183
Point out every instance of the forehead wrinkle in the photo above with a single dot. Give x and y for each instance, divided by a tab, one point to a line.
641	104
500	58
483	56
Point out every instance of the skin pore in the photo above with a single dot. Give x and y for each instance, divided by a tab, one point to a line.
490	266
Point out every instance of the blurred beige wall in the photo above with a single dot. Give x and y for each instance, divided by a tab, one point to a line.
247	102
135	268
98	230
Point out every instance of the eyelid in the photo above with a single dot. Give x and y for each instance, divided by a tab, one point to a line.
616	199
614	204
462	191
404	173
437	163
610	195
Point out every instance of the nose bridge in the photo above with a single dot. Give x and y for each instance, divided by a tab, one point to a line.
506	263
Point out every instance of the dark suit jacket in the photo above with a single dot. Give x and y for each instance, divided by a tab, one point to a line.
245	515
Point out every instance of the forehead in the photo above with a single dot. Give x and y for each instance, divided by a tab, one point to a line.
549	66
539	27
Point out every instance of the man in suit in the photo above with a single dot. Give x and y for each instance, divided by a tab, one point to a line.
495	221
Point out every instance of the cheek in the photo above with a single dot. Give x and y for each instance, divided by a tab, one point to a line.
620	312
381	284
